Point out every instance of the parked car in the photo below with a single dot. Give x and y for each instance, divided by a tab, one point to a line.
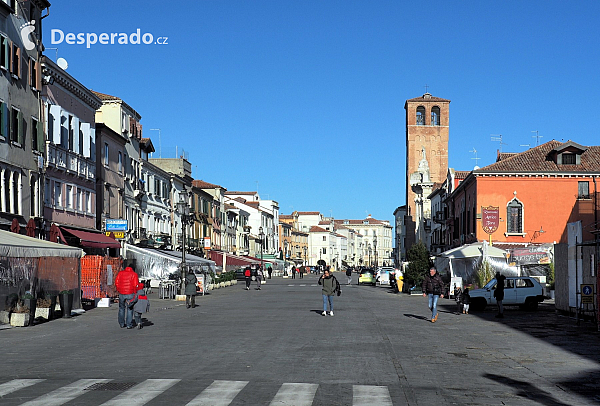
366	275
522	291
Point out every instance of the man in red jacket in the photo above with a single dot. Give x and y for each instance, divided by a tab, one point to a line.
126	284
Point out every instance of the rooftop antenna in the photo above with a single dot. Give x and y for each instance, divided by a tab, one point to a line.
475	152
525	145
498	138
159	144
537	137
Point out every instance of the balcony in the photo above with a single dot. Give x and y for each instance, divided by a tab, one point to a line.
439	217
71	162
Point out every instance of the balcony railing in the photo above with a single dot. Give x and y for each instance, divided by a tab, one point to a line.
60	158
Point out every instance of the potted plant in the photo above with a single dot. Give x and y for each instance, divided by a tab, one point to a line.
19	315
65	298
45	308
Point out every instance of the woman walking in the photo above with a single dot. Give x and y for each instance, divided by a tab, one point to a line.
330	287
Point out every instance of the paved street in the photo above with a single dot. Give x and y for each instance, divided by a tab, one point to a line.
273	347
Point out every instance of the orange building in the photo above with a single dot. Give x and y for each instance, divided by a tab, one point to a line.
537	192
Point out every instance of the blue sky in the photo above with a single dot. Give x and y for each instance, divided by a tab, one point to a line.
306	98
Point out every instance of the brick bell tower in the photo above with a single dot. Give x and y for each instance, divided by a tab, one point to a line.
427	132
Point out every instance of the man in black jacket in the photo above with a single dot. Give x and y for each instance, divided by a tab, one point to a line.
499	293
433	287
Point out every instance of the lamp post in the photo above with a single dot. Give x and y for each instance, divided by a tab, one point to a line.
369	250
184	213
261	235
305	248
375	250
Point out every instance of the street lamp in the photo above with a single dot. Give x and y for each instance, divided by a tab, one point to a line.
375	249
261	235
285	246
305	248
184	213
369	250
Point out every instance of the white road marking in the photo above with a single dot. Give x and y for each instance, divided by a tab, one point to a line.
17	384
369	395
65	394
297	394
142	393
219	393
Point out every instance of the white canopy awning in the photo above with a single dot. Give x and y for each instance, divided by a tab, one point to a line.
475	250
21	246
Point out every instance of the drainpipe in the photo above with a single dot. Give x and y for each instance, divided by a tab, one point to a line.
597	251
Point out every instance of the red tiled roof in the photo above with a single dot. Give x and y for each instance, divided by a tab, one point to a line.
205	185
240	193
461	174
504	155
369	220
541	159
286	216
428	98
306	213
104	96
317	229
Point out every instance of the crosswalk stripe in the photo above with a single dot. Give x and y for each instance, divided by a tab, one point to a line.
297	394
219	393
16	384
142	392
64	394
368	395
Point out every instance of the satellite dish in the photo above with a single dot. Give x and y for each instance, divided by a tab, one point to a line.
62	63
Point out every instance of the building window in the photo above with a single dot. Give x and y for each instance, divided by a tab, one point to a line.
36	135
79	200
70	132
435	115
420	115
105	154
583	190
57	194
4	120
34	74
569	159
69	196
15	68
120	162
514	224
324	238
324	251
4	52
16	127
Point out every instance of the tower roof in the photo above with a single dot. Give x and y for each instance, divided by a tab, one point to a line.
426	98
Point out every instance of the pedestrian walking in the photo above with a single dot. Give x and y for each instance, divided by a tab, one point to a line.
349	275
432	287
499	293
302	269
259	277
190	289
248	277
141	304
294	270
270	271
331	286
466	301
126	283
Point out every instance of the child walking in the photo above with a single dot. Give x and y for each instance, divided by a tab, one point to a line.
141	304
466	300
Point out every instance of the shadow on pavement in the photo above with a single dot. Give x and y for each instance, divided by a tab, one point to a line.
526	390
414	316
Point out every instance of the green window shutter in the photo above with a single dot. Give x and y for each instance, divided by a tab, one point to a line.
41	144
20	128
3	120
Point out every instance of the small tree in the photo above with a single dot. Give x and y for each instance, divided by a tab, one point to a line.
418	264
484	274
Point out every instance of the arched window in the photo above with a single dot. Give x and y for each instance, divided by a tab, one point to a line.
435	115
420	115
514	214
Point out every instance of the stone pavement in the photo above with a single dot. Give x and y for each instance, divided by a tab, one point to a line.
273	347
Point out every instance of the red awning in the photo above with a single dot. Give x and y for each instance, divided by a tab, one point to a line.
93	240
217	256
